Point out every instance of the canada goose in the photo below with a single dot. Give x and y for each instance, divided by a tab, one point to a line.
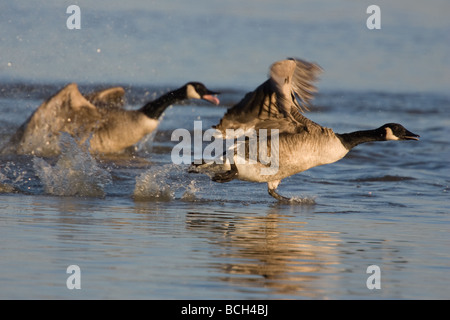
302	143
98	116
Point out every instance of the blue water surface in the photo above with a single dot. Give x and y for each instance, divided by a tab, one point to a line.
140	227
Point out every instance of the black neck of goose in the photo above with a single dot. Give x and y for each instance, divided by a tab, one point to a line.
352	139
155	108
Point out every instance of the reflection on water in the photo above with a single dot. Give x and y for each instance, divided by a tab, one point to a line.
182	249
268	251
141	227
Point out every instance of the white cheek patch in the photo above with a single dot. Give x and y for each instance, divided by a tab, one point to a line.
390	135
191	93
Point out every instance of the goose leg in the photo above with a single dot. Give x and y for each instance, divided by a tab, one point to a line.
271	187
227	175
277	196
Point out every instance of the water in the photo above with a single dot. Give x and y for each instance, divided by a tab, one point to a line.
140	227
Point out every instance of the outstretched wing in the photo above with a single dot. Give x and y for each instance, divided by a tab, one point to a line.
108	98
66	111
278	102
293	78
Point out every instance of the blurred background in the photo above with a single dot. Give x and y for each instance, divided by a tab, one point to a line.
227	43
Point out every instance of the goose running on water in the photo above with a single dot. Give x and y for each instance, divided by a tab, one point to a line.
278	103
99	117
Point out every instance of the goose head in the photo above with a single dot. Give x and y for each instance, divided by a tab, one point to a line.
395	131
197	90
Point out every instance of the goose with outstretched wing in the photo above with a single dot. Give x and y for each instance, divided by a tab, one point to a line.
301	144
99	117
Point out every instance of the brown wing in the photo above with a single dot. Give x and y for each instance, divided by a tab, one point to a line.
108	98
277	103
66	111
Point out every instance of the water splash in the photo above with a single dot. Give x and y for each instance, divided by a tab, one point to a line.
190	193
165	183
152	185
13	179
5	185
145	145
76	173
308	201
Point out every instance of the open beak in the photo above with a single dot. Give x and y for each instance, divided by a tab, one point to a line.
211	97
410	136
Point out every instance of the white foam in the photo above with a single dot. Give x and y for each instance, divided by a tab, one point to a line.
152	185
75	173
165	183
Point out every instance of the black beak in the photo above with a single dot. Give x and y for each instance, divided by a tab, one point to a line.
410	136
212	92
